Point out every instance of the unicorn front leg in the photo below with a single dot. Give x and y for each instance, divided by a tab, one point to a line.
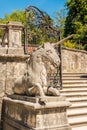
40	89
37	89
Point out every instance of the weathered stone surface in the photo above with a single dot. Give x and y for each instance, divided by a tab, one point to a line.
12	37
19	68
9	85
36	99
11	66
34	80
3	50
14	69
2	87
28	115
3	69
14	66
74	61
15	51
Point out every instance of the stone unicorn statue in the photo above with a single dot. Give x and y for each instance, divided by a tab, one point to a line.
34	80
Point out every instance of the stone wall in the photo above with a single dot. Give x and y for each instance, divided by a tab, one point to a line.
11	66
74	61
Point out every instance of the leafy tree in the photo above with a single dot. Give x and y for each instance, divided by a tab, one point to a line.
59	18
76	20
72	44
40	28
17	15
37	33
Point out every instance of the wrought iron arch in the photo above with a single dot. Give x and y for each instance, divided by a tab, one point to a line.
42	20
41	15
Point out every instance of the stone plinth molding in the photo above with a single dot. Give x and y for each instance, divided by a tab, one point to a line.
30	114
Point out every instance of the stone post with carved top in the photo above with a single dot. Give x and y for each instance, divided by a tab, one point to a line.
14	34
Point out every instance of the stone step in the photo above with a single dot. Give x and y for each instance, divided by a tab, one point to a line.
78	94
77	111
75	91
70	90
74	74
77	100
79	105
73	78
75	81
78	121
82	127
68	74
75	85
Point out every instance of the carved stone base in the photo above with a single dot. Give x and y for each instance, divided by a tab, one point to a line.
25	113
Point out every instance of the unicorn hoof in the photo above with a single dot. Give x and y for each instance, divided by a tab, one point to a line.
42	101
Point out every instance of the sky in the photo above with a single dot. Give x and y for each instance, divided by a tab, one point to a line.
49	6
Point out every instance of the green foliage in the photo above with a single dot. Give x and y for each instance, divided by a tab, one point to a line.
81	32
85	47
39	31
17	15
60	18
76	20
71	44
36	35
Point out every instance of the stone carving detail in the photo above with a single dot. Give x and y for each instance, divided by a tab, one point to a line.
34	80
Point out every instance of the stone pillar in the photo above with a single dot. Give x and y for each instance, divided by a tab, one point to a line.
14	34
26	113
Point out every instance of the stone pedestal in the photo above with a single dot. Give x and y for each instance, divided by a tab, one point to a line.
25	113
14	33
12	38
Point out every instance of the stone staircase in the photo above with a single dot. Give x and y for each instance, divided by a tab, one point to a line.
75	91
